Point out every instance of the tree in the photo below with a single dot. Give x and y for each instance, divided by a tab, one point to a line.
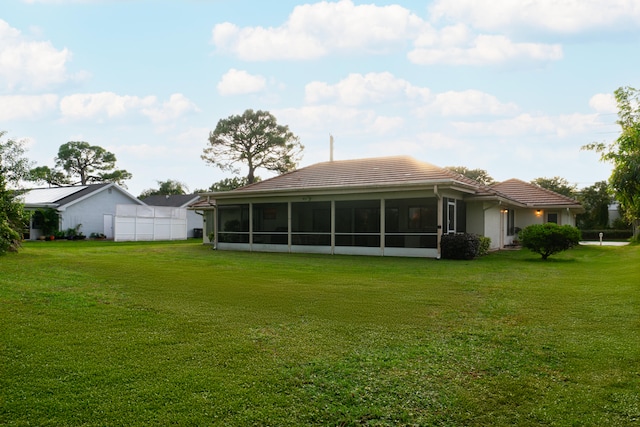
11	219
595	200
255	139
89	163
550	238
166	188
480	175
14	166
52	177
557	184
624	154
228	184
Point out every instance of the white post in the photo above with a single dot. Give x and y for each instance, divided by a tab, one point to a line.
601	234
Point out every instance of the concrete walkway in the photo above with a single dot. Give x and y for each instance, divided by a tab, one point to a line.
596	243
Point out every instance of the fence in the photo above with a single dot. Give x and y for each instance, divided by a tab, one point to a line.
146	223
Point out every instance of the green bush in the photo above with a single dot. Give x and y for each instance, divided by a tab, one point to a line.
548	239
485	244
460	246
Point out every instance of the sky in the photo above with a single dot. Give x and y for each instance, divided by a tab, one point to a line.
514	87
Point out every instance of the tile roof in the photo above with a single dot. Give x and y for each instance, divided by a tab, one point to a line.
392	172
382	171
533	195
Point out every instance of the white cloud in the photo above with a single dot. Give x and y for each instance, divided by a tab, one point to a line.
558	16
177	106
384	88
604	103
315	30
384	124
358	89
326	118
101	105
29	107
533	125
239	82
469	103
30	65
463	49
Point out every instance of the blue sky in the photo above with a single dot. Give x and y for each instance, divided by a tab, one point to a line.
514	87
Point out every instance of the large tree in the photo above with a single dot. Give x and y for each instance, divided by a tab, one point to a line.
624	154
480	175
557	184
14	167
256	140
595	200
165	188
52	177
228	184
88	163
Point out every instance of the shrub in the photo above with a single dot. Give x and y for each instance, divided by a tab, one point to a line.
548	239
485	244
460	246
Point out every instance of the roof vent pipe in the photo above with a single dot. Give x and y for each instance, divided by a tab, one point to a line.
330	148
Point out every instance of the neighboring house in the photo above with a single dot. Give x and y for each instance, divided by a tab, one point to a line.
91	208
393	206
194	220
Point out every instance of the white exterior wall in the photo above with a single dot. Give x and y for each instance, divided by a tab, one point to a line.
194	220
90	211
495	226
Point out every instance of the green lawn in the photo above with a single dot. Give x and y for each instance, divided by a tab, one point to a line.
103	333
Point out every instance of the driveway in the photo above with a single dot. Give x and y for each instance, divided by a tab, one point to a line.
605	243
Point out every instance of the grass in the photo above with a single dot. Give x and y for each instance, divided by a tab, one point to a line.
104	333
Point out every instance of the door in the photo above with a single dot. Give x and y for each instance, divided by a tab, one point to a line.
108	226
451	216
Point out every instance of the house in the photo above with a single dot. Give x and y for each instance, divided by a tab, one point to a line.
391	206
182	201
89	208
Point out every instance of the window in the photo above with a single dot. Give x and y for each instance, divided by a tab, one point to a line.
511	228
411	223
552	217
233	224
270	223
358	223
311	223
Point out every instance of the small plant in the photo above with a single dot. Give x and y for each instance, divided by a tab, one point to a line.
485	244
548	239
460	246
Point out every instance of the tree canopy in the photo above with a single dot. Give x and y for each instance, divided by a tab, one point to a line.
165	188
480	175
595	200
228	184
624	154
53	177
85	164
14	166
254	139
557	184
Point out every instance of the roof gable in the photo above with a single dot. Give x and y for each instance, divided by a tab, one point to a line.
62	197
532	195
